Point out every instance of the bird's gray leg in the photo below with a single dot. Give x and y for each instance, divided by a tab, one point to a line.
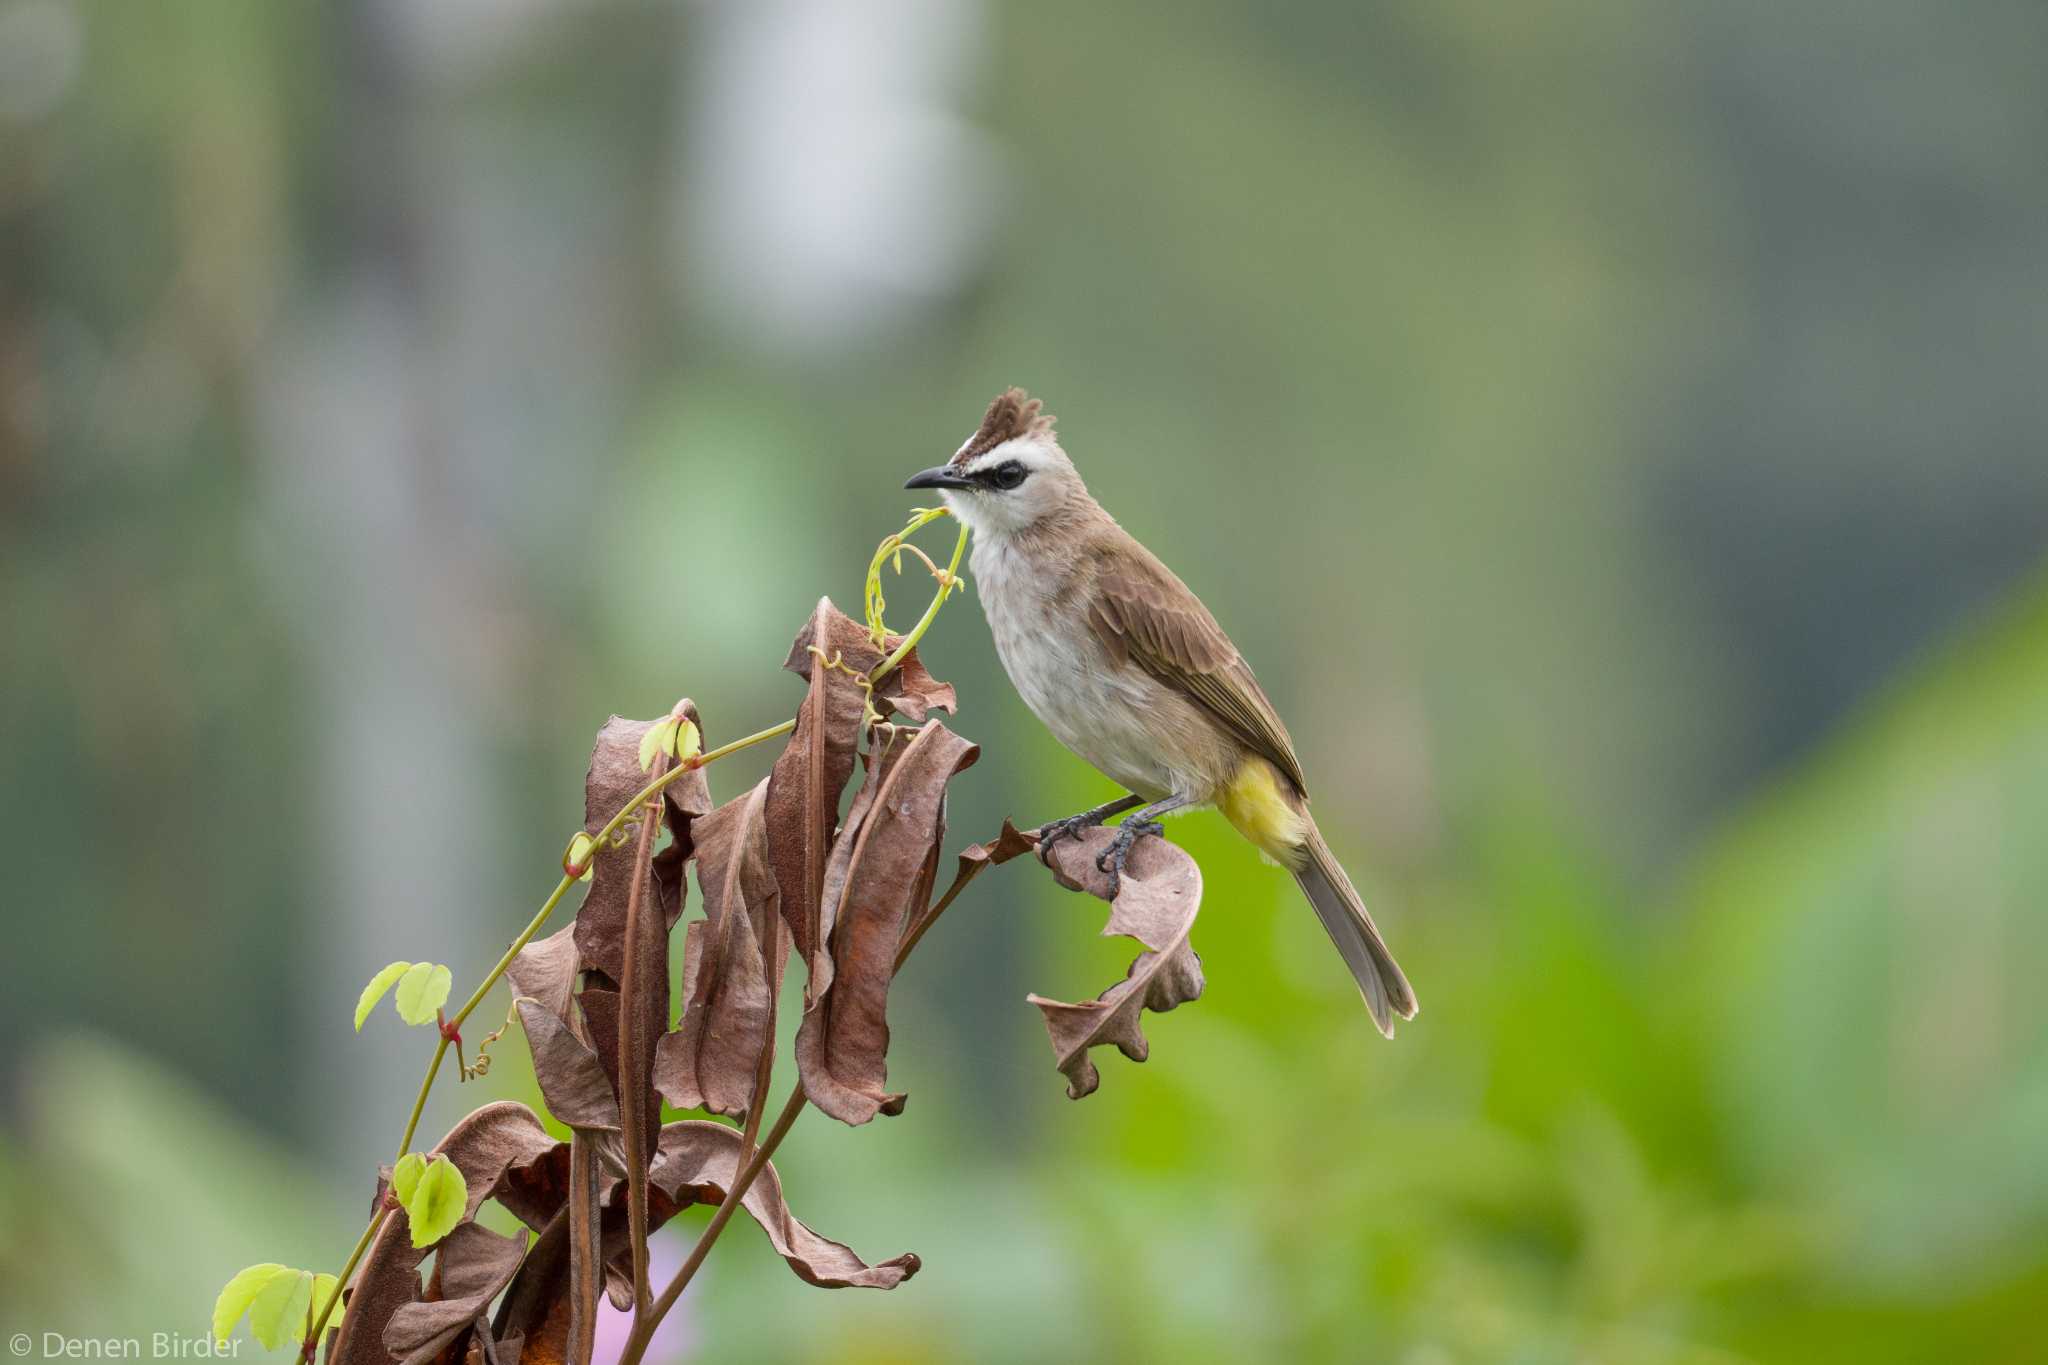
1051	833
1113	858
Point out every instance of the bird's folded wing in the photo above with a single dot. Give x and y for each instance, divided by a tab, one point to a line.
1142	613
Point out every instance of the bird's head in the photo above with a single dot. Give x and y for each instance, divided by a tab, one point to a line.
1010	474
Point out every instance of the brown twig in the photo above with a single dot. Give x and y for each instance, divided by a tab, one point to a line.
743	1180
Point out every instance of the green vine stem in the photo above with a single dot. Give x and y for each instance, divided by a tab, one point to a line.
891	546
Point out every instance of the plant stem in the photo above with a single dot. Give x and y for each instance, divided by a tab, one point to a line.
341	1281
633	1084
743	1180
931	612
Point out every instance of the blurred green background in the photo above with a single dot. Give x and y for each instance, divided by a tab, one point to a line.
1614	431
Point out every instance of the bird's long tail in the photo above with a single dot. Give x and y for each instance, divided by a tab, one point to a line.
1267	811
1387	992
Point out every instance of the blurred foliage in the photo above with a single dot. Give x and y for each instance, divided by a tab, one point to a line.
1794	1117
1592	419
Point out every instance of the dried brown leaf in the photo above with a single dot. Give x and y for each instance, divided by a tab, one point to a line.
545	970
602	921
912	690
613	780
572	1079
695	1163
711	1061
503	1152
475	1265
535	1311
810	775
1156	905
842	1047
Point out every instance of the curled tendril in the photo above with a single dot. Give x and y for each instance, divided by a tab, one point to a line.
946	579
890	551
837	663
482	1065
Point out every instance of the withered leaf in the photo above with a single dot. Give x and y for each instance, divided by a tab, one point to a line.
613	780
545	970
602	921
485	1348
910	689
887	746
501	1137
695	1163
572	1079
810	776
1156	905
499	1149
535	1311
475	1264
711	1061
842	1046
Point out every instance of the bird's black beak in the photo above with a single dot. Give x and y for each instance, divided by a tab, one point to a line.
943	476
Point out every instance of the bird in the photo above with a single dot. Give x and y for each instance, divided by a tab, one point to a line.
1125	666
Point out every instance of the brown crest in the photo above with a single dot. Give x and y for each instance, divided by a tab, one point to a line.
1014	413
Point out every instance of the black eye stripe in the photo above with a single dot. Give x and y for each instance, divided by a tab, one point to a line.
1007	475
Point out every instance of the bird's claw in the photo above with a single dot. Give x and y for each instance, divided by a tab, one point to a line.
1113	858
1052	831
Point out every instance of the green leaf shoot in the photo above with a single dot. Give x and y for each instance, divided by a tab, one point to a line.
659	739
439	1199
239	1293
421	991
278	1314
374	992
405	1176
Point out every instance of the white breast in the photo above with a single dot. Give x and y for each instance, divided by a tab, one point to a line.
1091	705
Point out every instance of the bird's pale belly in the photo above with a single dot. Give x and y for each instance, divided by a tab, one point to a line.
1120	719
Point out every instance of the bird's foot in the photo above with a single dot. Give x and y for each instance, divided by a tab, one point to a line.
1073	826
1052	831
1113	858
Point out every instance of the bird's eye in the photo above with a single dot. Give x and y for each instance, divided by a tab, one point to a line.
1009	475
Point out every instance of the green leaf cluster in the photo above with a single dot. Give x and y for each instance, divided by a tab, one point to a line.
675	736
281	1303
422	989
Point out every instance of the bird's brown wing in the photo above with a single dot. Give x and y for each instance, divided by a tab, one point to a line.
1141	612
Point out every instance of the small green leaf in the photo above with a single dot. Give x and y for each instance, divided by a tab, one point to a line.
239	1293
324	1288
374	992
689	743
405	1176
279	1313
421	991
438	1202
659	739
